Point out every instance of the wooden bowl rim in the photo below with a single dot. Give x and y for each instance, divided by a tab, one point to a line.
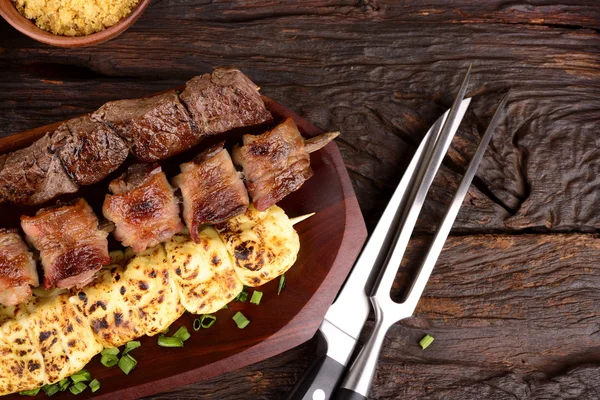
10	13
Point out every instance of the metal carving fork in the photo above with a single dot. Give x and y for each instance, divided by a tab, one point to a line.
344	320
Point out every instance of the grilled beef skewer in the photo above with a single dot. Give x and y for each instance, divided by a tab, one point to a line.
85	150
17	269
143	207
72	247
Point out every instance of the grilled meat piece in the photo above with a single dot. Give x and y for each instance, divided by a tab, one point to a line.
34	175
274	163
224	100
89	150
72	248
212	189
17	269
143	207
155	127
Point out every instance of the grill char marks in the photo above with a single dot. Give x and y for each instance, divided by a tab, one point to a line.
34	175
212	189
143	207
17	269
72	248
224	100
275	163
155	128
89	150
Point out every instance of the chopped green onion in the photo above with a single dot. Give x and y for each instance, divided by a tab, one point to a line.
78	388
134	344
241	320
281	284
50	390
127	364
32	392
173	341
94	385
426	341
207	321
224	307
111	351
108	360
166	330
182	334
243	297
256	296
64	384
81	376
197	325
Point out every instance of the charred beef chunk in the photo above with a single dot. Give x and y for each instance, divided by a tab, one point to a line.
17	269
274	163
154	128
89	150
34	175
224	100
212	189
143	207
72	248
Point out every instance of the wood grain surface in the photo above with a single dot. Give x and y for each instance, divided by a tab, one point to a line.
513	303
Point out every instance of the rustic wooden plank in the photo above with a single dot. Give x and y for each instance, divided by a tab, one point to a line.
382	72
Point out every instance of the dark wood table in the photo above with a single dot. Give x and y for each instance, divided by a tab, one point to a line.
514	302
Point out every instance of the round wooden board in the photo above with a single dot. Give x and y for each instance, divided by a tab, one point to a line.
330	243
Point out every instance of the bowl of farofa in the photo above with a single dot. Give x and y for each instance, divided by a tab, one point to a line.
72	23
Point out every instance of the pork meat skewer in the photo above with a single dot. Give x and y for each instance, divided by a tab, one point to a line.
212	189
143	207
72	247
17	269
276	163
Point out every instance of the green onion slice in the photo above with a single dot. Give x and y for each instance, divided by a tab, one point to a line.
64	384
50	390
32	392
127	364
166	330
197	325
82	376
426	341
94	385
281	284
173	341
241	320
243	297
111	351
224	307
78	388
207	321
134	344
256	296
182	334
109	360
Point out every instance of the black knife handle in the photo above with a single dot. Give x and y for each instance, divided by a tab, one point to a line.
347	394
320	379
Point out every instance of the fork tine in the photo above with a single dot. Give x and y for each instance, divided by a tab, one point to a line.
446	225
429	163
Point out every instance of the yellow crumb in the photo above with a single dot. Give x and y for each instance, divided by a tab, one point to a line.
75	17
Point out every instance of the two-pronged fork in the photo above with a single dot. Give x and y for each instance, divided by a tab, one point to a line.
345	319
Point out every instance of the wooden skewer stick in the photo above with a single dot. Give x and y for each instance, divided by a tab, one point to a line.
320	141
301	218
